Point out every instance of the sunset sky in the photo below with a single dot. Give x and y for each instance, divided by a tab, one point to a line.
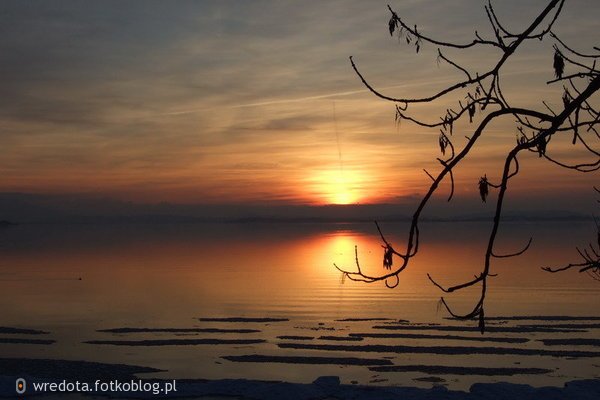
255	101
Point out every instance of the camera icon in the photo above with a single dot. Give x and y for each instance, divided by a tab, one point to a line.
20	386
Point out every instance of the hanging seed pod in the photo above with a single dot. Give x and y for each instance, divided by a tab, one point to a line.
483	188
392	25
443	142
471	112
388	255
541	147
566	98
559	64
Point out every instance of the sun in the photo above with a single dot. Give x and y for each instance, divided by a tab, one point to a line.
343	197
338	186
341	193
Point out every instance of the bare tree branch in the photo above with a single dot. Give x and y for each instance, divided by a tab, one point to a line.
576	119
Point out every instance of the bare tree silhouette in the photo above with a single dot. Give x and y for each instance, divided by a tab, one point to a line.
578	117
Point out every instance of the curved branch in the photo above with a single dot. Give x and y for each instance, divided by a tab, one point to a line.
440	55
508	51
413	31
518	253
578	54
412	244
547	29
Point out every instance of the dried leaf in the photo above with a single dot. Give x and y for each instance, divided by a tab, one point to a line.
471	112
443	142
541	146
483	187
392	25
559	64
388	254
566	98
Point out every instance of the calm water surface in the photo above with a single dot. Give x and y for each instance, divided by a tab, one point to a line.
169	276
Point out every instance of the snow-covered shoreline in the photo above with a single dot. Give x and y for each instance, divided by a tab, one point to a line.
328	387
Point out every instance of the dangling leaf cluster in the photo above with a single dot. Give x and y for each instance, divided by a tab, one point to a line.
448	121
443	142
418	41
388	254
559	64
471	112
483	187
541	146
394	25
566	98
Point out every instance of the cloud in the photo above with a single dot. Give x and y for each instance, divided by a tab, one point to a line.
232	100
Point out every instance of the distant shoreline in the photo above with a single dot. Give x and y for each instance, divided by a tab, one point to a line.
158	220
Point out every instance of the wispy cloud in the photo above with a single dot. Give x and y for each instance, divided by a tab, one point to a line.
221	101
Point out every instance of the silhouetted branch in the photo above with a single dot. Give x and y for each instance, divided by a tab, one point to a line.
518	253
397	22
441	56
507	52
544	31
578	54
574	119
590	256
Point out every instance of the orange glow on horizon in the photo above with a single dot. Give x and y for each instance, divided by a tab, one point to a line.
338	187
